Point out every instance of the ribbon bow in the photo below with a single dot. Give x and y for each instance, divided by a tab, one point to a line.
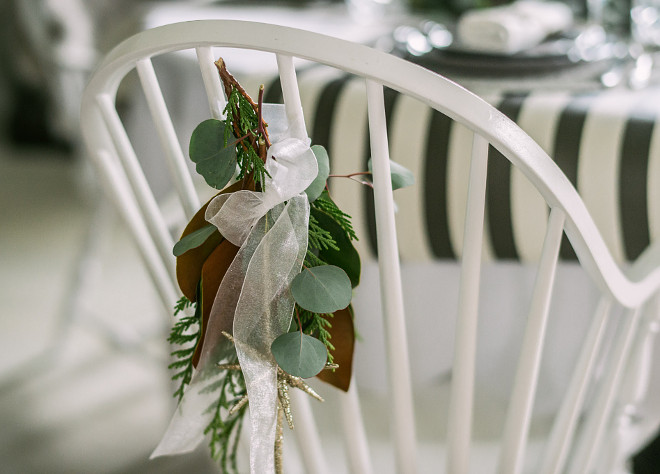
254	298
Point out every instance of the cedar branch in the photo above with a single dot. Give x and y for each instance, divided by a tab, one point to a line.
229	82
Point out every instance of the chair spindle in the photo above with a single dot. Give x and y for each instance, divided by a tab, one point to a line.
290	91
390	286
307	436
601	412
462	387
522	400
355	435
145	199
120	191
168	139
563	429
212	83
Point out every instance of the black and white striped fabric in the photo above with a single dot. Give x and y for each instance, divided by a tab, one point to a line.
606	142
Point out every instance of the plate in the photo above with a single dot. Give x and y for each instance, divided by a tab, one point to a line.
449	56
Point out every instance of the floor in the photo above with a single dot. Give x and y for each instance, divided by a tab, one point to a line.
83	385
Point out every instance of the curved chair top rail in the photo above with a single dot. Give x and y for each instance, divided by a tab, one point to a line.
438	92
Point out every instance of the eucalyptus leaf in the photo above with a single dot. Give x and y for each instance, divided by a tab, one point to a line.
401	176
214	161
193	240
322	289
318	185
347	257
299	354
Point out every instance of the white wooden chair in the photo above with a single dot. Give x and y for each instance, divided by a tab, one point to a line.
580	433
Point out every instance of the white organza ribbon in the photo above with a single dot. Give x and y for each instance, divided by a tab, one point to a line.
292	167
254	298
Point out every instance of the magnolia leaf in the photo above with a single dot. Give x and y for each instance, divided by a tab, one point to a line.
213	271
214	161
401	176
299	354
193	240
346	258
322	289
189	265
342	336
318	185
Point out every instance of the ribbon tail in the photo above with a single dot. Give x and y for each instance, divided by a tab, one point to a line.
186	429
263	313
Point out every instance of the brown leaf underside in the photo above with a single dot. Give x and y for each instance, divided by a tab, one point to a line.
189	265
213	271
343	338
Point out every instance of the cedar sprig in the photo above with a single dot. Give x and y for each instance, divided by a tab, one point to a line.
225	429
316	325
185	332
319	238
312	259
328	206
245	127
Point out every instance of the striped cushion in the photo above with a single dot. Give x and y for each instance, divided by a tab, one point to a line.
606	142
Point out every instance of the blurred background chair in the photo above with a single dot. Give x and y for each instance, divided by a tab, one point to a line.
587	428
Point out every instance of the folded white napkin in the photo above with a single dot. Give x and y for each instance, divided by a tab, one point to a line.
512	28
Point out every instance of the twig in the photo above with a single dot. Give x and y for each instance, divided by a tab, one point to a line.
229	82
352	178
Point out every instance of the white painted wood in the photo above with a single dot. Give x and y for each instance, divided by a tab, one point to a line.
600	415
519	415
145	199
212	83
307	435
458	179
312	453
350	108
462	388
403	426
290	92
169	141
564	427
119	189
355	437
407	144
539	117
636	379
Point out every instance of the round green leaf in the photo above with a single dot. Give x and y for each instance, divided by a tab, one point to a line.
299	354
323	289
318	185
193	240
218	171
401	176
346	258
215	162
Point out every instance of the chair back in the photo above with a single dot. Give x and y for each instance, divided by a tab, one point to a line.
375	75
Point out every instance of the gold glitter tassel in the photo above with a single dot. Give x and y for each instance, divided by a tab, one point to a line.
279	439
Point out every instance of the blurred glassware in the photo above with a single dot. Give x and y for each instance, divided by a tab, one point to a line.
373	11
645	16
